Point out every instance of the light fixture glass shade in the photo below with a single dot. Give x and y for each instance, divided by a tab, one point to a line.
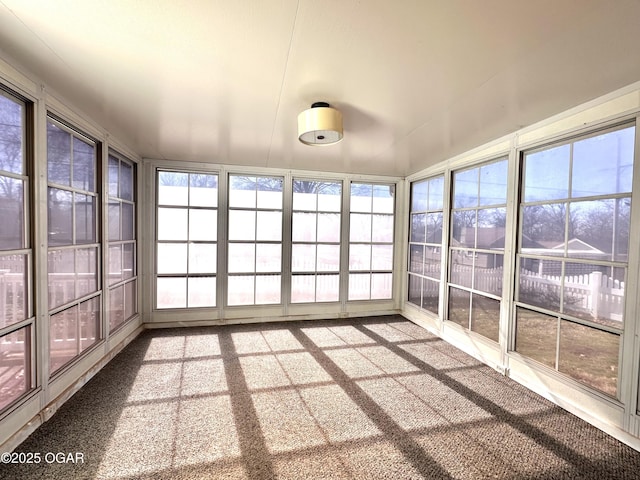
320	125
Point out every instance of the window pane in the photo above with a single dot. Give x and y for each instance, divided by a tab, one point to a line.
58	155
11	139
269	226
303	228
432	260
83	165
436	193
359	286
491	223
114	221
87	271
603	164
304	195
128	222
267	289
269	192
536	335
89	321
130	299
547	174
204	190
203	225
328	258
172	224
419	227
434	228
115	264
488	273
172	258
327	288
128	260
601	228
329	197
114	176
539	283
360	228
13	289
464	228
85	218
493	183
242	191
465	188
242	257
459	306
383	198
60	217
419	196
240	290
202	257
126	181
303	288
430	295
61	277
11	212
329	227
63	338
590	356
172	292
543	229
268	257
485	317
116	307
15	362
382	257
361	197
381	285
416	259
359	257
303	258
242	225
415	288
202	292
461	269
382	228
172	188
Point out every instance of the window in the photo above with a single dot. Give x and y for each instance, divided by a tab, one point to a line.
122	241
315	250
74	249
425	243
255	240
371	241
187	240
476	250
16	255
572	255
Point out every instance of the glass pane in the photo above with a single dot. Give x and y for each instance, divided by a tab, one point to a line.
269	226
203	225
172	293
242	225
114	221
242	257
83	165
359	257
61	277
11	212
383	198
382	257
603	164
430	295
416	259
543	229
419	196
434	228
485	317
491	223
58	155
115	264
268	257
361	197
303	288
303	258
327	288
13	293
89	320
360	228
130	299
415	288
599	227
436	193
590	356
172	258
60	217
202	292
304	195
330	197
11	139
303	228
594	293
536	335
116	307
202	257
128	222
539	283
87	271
459	306
203	191
381	286
493	183
329	227
382	228
461	268
172	224
240	290
114	177
267	289
418	227
269	192
63	338
328	258
128	260
547	174
85	218
464	228
359	286
432	260
242	191
488	273
15	361
126	181
465	188
173	188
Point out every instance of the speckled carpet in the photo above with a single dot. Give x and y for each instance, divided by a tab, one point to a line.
365	398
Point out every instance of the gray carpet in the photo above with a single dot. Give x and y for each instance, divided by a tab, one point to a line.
368	398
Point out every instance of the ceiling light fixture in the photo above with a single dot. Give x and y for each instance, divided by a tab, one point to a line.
320	125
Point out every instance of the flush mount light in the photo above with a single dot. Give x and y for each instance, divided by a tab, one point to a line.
320	125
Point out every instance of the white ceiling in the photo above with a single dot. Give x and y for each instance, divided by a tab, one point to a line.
418	81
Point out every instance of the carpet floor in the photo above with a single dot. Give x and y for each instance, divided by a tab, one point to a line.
366	398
